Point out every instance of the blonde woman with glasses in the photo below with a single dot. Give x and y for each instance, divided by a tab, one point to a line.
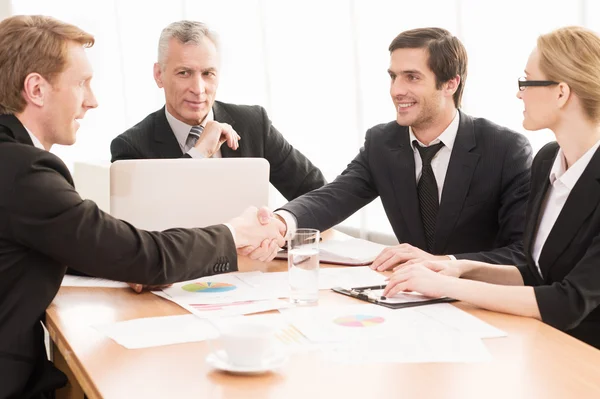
560	281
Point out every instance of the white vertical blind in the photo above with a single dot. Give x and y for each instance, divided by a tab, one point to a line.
318	67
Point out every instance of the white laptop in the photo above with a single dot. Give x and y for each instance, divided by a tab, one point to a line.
156	194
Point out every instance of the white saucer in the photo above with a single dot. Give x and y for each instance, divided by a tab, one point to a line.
218	360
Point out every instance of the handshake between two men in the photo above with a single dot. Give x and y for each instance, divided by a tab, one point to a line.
257	233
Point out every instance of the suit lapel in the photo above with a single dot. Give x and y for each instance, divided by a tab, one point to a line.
582	201
402	175
14	128
165	142
537	199
456	184
221	115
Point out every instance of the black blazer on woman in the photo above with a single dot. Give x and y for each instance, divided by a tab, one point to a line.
568	292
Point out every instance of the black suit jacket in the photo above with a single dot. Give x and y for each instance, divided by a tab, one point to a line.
568	291
45	226
291	172
482	209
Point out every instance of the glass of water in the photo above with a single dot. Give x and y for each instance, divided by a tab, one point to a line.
303	266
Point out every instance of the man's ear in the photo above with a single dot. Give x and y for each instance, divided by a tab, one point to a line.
158	75
452	85
35	89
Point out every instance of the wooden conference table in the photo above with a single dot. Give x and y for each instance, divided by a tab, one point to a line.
534	361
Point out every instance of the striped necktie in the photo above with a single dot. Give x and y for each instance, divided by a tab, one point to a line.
193	137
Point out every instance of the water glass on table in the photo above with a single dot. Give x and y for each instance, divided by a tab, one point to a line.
303	266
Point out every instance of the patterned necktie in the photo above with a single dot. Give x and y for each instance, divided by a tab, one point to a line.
428	192
193	137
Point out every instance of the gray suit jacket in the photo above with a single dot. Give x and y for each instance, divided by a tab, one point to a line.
291	172
483	200
45	226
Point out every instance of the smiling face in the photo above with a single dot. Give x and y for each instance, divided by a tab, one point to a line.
190	79
418	102
540	103
69	97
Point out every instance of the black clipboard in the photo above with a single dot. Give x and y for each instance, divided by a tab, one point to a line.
362	293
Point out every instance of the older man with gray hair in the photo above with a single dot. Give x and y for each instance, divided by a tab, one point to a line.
193	125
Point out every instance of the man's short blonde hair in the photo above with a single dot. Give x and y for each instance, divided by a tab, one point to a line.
33	43
572	55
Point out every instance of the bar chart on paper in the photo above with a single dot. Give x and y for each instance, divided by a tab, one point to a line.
358	320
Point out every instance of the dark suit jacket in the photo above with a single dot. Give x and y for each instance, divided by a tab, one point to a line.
45	226
291	172
568	292
483	200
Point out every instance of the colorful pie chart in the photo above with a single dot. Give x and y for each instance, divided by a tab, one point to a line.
358	320
208	287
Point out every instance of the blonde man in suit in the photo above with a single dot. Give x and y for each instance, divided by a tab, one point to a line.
45	225
560	282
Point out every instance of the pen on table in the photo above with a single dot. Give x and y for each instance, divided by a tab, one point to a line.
371	287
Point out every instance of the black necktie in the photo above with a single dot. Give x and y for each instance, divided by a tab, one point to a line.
428	191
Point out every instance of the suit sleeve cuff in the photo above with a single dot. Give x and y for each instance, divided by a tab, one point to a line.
231	229
290	222
194	153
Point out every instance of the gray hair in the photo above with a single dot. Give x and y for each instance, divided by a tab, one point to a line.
185	32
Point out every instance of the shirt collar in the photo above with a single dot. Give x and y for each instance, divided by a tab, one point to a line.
36	142
181	129
569	177
447	137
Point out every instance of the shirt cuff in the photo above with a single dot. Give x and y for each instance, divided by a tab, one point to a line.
452	257
194	153
290	222
231	229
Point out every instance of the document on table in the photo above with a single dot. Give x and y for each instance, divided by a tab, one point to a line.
219	289
329	277
460	320
420	345
352	252
158	331
370	333
228	309
355	251
80	281
349	323
401	297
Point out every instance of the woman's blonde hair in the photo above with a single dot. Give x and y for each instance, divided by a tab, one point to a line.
33	43
572	55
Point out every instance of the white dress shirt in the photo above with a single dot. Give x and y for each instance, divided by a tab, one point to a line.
439	165
182	131
562	181
36	142
440	161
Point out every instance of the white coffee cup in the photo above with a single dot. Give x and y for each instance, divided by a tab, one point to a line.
247	344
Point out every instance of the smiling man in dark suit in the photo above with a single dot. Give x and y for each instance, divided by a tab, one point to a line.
194	125
45	90
450	183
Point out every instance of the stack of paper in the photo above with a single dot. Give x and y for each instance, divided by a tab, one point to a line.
371	333
80	281
352	252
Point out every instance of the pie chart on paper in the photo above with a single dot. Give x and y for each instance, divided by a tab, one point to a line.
358	320
208	287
